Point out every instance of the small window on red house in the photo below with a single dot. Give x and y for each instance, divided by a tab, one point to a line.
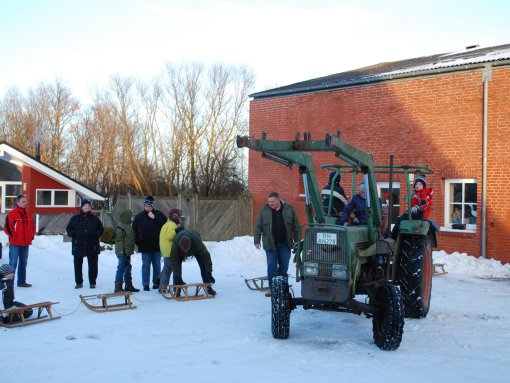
52	198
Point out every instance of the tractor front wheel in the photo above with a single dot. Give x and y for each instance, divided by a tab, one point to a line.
388	319
280	307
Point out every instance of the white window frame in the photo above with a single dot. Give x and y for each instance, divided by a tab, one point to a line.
386	185
71	198
448	202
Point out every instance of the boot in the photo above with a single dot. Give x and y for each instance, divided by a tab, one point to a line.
118	287
130	287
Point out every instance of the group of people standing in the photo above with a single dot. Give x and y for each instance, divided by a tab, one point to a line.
154	234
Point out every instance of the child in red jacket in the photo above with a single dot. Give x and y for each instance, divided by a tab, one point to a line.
421	201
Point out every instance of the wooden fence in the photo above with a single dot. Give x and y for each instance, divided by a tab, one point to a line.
216	219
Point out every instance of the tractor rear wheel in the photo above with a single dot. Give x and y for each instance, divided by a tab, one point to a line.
280	307
388	319
415	275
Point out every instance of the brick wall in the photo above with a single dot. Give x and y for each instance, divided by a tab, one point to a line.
435	120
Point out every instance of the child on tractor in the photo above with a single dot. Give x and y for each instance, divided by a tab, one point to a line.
421	201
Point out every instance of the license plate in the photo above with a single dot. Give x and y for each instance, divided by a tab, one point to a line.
326	239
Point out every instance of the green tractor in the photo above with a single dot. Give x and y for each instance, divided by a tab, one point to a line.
335	262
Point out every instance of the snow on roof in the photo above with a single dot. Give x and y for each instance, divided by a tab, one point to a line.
453	61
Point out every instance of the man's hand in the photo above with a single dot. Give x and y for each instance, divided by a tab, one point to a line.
257	245
414	209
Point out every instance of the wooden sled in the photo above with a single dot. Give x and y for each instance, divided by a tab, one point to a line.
33	320
105	305
257	284
439	269
183	293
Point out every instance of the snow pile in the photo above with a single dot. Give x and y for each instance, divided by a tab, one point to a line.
461	263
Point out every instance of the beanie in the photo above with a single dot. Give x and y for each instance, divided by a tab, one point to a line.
421	179
149	200
174	215
337	180
85	201
362	187
6	269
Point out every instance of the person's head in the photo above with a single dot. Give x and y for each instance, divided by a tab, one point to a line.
86	205
337	179
273	200
420	183
125	216
174	215
148	203
362	190
185	244
21	200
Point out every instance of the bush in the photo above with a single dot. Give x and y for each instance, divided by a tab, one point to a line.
108	235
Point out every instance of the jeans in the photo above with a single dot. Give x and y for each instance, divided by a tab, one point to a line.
123	269
78	266
18	255
153	258
277	260
167	271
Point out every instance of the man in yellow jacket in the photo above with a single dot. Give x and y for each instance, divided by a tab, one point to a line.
166	236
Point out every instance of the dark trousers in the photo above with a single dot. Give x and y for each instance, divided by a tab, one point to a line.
78	265
205	264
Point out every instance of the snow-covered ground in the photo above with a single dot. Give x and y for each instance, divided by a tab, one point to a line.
465	337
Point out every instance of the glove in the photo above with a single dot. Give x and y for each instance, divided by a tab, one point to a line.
346	224
179	281
414	209
355	221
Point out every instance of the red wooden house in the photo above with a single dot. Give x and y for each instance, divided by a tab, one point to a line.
450	111
48	190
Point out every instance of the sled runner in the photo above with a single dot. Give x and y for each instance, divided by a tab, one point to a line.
439	269
257	283
105	300
17	317
189	292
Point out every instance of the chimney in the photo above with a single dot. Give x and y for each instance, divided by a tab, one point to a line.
38	152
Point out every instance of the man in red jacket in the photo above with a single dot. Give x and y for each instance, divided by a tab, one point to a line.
19	227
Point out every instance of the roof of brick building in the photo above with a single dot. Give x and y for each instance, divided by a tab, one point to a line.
471	57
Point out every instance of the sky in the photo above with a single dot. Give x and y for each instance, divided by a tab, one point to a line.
464	338
84	43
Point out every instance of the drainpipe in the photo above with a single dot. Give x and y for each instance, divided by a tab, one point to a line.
486	75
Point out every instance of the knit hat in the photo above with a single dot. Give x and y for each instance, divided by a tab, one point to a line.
185	243
85	201
337	180
149	200
421	179
362	187
174	215
6	269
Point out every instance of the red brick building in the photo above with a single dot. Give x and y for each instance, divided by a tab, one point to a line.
450	111
48	190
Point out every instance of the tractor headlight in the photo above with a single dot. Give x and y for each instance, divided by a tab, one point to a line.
311	268
339	271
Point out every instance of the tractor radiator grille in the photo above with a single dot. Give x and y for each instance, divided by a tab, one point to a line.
325	254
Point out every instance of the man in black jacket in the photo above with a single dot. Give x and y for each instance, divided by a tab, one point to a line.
147	226
85	228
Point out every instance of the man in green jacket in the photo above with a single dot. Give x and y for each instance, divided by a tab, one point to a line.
278	225
124	248
187	243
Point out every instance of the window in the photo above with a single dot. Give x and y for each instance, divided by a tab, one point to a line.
383	191
460	203
52	198
8	193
